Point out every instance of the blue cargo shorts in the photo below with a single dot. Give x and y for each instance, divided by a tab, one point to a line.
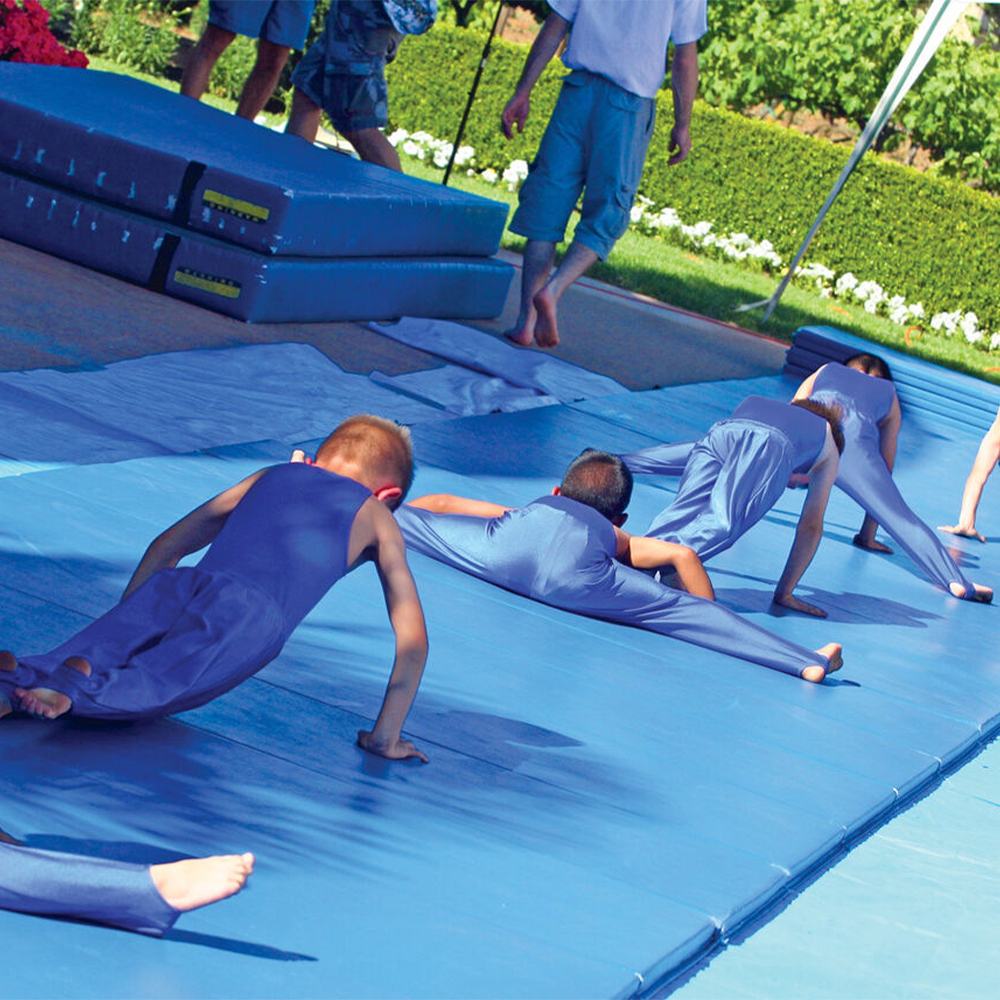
595	142
344	71
283	22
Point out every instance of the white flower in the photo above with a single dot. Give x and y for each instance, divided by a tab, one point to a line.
667	219
995	342
413	149
465	154
917	310
400	135
869	290
846	283
947	323
490	175
970	327
423	137
636	213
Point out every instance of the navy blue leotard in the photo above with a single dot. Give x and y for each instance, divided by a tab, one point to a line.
561	552
735	474
187	635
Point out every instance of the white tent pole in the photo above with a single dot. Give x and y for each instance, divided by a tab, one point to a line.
931	32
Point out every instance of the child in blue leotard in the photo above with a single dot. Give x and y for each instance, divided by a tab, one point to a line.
568	550
277	542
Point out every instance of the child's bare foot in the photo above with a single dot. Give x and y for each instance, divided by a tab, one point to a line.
980	593
793	603
43	702
78	663
833	651
871	545
186	885
8	661
957	529
546	327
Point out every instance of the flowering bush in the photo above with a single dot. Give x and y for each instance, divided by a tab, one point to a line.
25	36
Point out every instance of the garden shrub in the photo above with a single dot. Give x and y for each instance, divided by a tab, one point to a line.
136	33
928	238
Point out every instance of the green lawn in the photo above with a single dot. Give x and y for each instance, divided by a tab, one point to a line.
654	267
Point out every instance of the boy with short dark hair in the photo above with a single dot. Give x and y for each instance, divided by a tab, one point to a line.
278	541
568	550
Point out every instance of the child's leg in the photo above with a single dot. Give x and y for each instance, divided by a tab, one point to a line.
734	476
660	459
67	885
626	595
865	478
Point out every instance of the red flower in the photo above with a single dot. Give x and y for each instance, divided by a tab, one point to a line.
25	36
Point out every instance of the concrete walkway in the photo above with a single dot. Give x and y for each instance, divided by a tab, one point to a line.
57	314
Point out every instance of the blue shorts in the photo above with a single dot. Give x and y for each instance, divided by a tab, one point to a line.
344	71
283	22
595	142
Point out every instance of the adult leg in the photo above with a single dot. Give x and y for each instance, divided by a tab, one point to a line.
984	464
373	147
135	897
864	477
548	194
578	260
303	120
263	78
203	58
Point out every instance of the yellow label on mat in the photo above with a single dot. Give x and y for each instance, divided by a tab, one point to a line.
207	282
236	206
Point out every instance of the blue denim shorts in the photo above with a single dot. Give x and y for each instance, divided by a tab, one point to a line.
344	72
283	22
595	142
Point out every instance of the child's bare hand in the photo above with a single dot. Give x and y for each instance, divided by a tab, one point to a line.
793	603
398	749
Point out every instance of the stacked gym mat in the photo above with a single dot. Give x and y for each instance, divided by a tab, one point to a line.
144	184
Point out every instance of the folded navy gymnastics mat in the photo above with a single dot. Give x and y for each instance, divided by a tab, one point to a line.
158	153
247	286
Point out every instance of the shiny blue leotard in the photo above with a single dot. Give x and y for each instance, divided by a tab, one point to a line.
69	885
866	479
735	474
561	552
187	635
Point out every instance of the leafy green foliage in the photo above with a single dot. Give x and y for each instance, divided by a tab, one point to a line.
136	33
928	238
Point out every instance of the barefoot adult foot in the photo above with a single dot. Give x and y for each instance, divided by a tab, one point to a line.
546	326
8	661
957	529
43	702
521	334
186	885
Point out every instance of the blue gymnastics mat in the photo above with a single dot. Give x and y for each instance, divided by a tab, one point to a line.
157	153
603	806
248	286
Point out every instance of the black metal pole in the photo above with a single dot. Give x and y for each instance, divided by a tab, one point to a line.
472	94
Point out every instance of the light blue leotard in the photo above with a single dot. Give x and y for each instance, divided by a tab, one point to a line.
735	474
69	885
561	552
188	635
866	479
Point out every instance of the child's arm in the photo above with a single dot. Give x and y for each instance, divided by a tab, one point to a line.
446	503
655	553
190	533
407	618
809	530
888	430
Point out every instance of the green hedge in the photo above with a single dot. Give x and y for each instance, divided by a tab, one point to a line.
930	239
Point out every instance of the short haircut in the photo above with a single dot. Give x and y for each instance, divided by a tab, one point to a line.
380	446
830	413
870	364
600	480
